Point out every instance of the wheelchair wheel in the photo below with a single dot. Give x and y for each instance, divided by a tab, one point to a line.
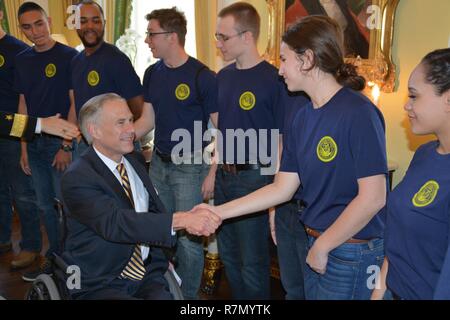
174	288
43	288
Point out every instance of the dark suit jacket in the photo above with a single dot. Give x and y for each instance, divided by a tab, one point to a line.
19	126
102	226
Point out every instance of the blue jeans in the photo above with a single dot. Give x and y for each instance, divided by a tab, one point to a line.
349	272
47	184
179	188
17	187
292	243
243	242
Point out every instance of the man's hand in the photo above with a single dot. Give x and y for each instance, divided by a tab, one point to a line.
24	164
200	223
62	160
317	258
59	127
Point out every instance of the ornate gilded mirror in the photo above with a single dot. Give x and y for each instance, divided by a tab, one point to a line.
368	31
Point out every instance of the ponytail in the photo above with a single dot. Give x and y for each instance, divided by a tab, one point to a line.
347	76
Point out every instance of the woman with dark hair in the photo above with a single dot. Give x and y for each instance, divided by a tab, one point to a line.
336	151
417	263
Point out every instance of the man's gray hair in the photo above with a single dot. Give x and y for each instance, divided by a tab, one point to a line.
91	111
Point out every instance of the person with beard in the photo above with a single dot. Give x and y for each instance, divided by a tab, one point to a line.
102	68
42	78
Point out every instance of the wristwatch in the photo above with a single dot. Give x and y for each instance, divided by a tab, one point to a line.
66	148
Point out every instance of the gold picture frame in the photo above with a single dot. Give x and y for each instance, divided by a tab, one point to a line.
378	69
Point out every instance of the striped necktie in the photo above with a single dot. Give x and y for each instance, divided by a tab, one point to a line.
134	270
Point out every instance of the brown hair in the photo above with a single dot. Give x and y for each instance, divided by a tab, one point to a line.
323	36
437	70
171	20
30	6
245	16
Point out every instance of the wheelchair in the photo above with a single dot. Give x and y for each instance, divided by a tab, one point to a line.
53	287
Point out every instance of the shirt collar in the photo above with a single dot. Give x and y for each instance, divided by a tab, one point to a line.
111	164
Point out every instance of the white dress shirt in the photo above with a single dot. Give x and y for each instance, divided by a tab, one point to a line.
38	128
140	194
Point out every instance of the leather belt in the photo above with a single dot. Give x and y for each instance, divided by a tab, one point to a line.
315	234
234	168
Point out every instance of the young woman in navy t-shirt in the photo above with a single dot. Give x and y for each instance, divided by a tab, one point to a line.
417	237
336	151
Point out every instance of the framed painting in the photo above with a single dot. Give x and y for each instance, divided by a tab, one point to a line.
367	26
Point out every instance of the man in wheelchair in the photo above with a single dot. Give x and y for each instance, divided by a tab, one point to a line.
116	225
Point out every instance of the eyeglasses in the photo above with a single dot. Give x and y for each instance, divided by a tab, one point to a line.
223	38
152	34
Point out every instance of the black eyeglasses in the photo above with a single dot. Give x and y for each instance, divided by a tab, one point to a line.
152	34
223	38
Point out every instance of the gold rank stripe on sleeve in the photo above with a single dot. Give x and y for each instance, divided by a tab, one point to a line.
19	125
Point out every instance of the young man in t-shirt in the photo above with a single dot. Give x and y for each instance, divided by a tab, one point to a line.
102	68
14	184
250	99
182	92
42	78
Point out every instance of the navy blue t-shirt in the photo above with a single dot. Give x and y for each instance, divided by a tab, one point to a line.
250	99
44	79
180	96
9	48
107	70
417	238
331	148
295	103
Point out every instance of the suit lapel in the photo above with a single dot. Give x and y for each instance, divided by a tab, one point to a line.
107	175
143	175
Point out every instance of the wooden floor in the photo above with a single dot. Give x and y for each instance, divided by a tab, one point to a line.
12	287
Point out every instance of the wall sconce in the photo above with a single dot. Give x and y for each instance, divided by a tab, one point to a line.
375	92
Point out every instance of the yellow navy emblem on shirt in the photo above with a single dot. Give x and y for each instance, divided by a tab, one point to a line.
247	101
2	60
93	78
9	117
182	92
50	70
327	149
426	194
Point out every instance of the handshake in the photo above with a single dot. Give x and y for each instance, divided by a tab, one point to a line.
202	220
